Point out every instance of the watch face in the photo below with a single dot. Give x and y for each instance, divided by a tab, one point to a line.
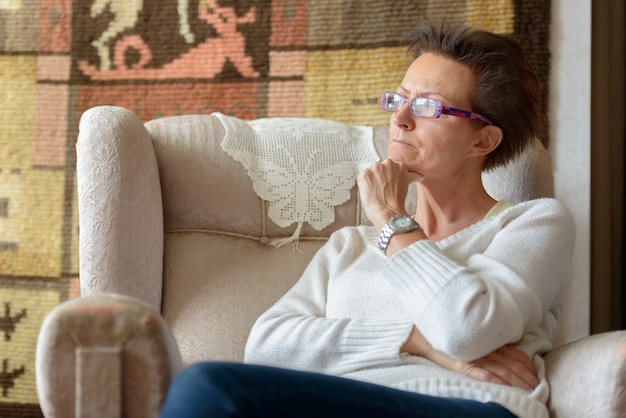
402	223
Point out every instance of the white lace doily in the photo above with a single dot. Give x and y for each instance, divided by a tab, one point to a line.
303	167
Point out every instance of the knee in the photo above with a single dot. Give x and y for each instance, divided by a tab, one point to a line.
201	389
197	373
206	377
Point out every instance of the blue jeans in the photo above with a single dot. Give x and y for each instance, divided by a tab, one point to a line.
216	389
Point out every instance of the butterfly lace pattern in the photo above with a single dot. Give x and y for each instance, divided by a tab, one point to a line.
302	167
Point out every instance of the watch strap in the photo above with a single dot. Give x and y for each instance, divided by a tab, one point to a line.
385	236
388	231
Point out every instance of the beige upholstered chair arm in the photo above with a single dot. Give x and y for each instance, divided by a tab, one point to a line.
120	206
588	377
104	355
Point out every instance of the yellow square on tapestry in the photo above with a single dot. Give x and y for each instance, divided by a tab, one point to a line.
345	85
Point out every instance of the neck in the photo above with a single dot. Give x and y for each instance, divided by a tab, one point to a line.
444	209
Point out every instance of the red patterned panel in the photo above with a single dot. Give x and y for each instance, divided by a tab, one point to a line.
156	100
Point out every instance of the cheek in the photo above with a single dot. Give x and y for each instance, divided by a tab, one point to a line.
429	157
431	146
415	147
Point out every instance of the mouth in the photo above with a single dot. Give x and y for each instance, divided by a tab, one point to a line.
400	142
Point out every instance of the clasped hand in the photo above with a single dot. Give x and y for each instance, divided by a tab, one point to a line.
383	188
507	365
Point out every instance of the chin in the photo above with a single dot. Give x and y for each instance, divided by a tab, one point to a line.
397	155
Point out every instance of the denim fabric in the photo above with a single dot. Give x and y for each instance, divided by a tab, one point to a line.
217	389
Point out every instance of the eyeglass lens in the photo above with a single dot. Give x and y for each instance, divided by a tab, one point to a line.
420	106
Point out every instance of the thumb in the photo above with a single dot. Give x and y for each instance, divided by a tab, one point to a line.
415	177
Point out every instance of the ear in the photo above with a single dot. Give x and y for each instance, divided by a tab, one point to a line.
487	139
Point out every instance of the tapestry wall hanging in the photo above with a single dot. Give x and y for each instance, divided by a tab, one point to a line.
247	58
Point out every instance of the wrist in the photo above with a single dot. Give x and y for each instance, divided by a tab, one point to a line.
416	344
400	241
383	216
396	225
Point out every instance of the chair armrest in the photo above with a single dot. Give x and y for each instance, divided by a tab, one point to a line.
104	355
588	377
120	206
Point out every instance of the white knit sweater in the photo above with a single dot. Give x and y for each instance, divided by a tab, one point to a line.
469	294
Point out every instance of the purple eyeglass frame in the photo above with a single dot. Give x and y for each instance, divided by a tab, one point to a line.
440	108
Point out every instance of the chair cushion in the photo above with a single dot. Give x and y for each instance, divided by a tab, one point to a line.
213	291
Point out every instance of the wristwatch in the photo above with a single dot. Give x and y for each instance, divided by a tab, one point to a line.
398	224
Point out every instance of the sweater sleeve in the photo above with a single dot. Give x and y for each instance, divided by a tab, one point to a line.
296	333
472	294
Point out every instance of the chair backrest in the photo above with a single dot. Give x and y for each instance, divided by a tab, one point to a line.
220	270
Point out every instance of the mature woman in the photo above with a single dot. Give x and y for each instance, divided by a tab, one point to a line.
436	314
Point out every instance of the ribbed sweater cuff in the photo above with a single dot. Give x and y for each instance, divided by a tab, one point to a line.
375	342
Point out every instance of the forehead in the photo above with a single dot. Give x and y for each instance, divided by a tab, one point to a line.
437	75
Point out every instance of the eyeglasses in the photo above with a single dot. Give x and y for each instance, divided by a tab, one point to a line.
425	107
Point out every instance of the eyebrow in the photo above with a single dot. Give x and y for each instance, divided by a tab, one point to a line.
403	89
424	93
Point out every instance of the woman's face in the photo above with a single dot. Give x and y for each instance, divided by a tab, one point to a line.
434	148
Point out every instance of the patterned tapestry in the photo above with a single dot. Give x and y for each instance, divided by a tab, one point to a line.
247	58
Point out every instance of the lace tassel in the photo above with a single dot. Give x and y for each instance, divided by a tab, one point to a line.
279	242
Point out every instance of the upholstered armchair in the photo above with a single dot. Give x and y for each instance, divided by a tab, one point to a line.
192	226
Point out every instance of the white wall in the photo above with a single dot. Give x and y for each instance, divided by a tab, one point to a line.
570	127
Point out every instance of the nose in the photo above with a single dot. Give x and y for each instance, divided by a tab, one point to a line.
403	118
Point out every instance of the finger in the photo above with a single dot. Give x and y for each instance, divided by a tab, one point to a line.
399	170
513	375
363	177
515	353
476	372
415	177
512	366
471	369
